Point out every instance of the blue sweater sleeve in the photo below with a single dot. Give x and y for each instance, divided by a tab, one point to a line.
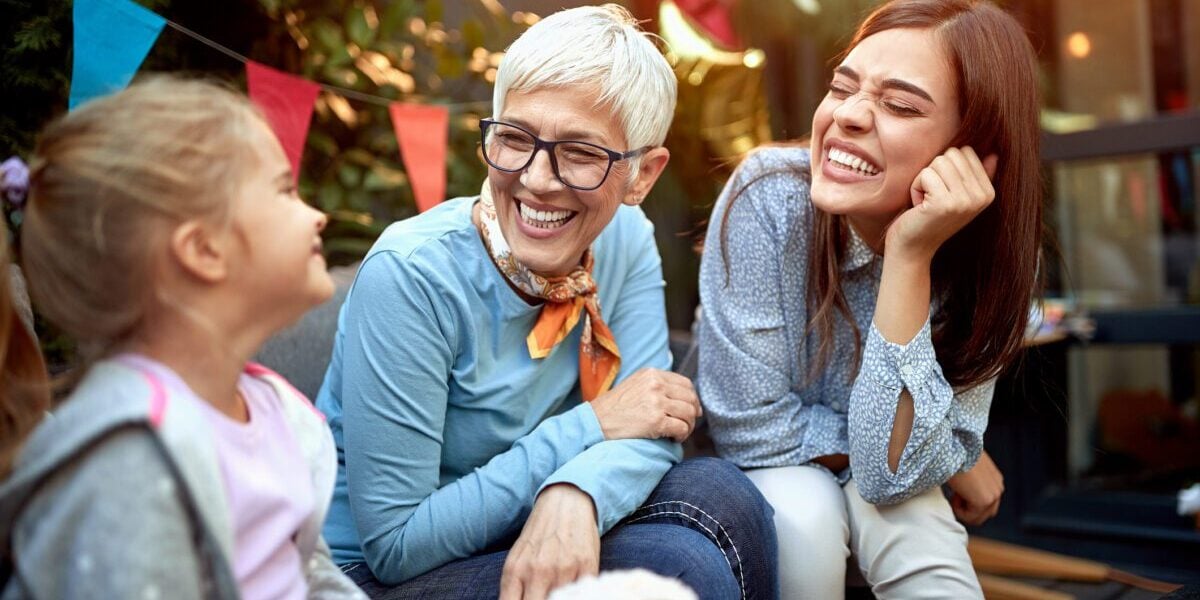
399	347
948	426
620	474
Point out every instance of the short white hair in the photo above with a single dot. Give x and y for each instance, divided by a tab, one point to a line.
600	46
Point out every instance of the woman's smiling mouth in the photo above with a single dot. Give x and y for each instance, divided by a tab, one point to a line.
544	219
850	162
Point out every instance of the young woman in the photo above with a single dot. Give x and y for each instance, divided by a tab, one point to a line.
861	293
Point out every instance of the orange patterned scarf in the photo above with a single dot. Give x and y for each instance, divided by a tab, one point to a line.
568	298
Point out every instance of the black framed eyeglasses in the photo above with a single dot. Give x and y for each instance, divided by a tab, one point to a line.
579	165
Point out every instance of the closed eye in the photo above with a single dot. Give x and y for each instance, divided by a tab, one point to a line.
902	109
839	91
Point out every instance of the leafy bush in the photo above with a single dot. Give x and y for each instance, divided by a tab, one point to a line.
398	50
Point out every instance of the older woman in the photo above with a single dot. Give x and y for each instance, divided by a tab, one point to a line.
498	389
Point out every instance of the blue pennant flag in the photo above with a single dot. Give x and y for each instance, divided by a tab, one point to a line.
112	38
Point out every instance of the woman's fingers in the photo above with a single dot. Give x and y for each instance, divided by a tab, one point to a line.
510	582
681	390
951	168
685	408
971	514
962	509
591	566
928	184
676	398
974	515
982	172
969	172
675	428
642	406
538	587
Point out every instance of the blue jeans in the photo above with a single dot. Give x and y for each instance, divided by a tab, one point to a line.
705	524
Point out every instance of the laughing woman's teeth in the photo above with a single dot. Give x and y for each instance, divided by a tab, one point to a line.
850	162
545	219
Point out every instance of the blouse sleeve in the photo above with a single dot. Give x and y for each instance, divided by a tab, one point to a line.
948	425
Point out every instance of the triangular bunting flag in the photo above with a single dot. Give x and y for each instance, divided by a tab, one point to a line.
112	38
423	133
714	17
287	101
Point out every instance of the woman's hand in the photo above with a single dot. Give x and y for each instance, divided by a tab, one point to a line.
650	404
977	492
946	195
559	544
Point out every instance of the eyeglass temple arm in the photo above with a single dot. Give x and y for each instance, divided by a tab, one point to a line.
638	152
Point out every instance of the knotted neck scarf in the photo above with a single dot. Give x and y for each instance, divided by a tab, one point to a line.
567	299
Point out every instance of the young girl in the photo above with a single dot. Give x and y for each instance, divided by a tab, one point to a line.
165	235
861	294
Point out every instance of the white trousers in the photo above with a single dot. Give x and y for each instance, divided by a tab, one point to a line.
915	549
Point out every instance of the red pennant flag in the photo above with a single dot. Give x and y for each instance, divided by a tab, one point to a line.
287	101
714	17
422	131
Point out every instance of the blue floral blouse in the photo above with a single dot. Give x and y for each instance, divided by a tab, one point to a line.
762	409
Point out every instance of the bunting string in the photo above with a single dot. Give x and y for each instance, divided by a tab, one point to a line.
347	92
112	38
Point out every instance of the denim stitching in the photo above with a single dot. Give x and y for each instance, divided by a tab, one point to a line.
741	583
720	527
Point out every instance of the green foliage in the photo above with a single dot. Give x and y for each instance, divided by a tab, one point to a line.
33	68
399	50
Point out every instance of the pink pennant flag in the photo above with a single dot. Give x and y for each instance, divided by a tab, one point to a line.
422	131
714	17
287	101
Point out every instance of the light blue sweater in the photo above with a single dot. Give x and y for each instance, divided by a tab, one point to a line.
446	429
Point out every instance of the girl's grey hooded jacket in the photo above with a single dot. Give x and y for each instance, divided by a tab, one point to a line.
119	495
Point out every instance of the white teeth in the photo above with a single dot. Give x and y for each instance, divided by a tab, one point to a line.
546	219
852	162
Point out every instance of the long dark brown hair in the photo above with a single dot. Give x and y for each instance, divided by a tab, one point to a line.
985	275
24	389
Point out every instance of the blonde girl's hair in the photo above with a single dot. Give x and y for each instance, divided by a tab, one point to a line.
109	181
24	390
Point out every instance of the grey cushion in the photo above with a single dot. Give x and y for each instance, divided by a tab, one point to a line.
301	352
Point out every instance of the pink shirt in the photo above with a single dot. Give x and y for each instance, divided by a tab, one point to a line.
267	483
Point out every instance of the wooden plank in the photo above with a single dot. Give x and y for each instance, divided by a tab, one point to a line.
999	558
999	588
